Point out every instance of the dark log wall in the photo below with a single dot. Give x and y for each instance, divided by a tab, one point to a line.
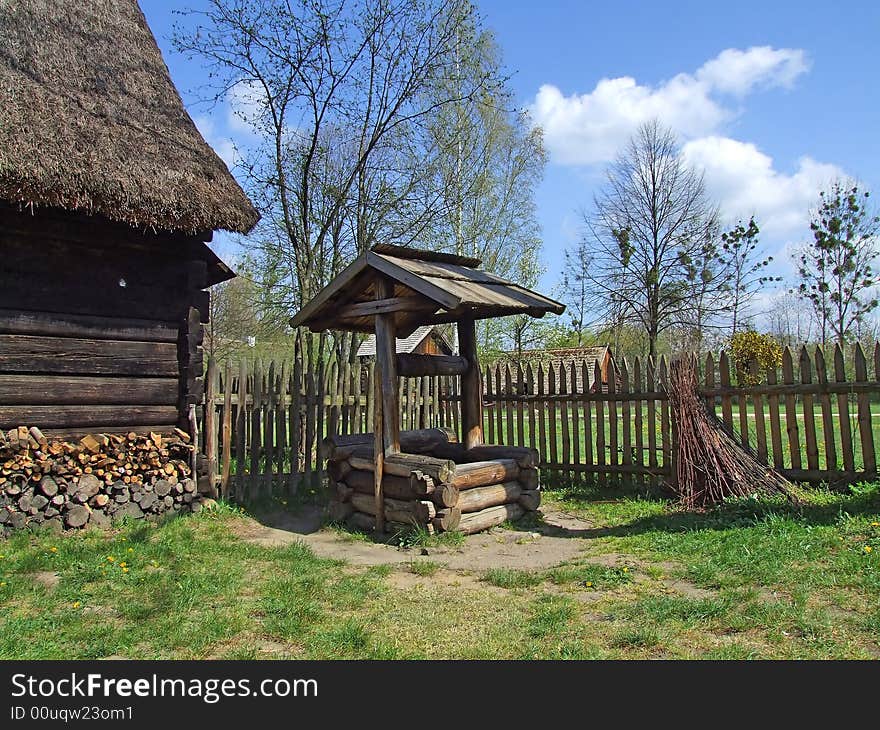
81	352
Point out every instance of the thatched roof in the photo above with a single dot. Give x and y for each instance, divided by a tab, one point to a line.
91	121
428	288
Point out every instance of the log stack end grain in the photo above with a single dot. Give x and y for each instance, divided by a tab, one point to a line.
95	480
440	486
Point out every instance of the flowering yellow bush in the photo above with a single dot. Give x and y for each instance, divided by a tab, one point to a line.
750	346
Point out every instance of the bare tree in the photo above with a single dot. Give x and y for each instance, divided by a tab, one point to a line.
649	232
325	86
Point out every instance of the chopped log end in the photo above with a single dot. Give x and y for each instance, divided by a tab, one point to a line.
447	520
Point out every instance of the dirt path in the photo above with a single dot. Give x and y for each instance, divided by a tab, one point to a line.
558	540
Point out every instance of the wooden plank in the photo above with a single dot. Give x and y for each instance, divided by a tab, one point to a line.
357	390
500	396
296	418
226	435
343	384
600	424
530	386
386	372
563	416
269	434
709	381
411	365
385	306
425	407
866	436
846	439
210	424
369	397
575	416
828	424
78	416
760	426
48	324
520	412
724	377
69	355
509	437
742	402
791	421
809	419
542	414
281	448
492	407
613	443
551	413
775	428
652	416
665	423
625	415
85	390
471	390
311	415
320	392
241	432
636	388
588	416
256	445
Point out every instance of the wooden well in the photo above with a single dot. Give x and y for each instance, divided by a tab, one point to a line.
430	477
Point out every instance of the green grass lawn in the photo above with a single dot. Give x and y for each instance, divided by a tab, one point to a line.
750	579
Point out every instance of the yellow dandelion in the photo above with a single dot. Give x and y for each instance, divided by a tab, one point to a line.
110	559
873	524
3	584
125	570
131	550
626	570
589	584
868	548
53	549
76	604
122	565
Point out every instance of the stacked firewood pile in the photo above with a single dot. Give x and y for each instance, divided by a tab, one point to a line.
436	483
71	484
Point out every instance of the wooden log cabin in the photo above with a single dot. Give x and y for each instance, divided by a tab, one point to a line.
419	477
108	198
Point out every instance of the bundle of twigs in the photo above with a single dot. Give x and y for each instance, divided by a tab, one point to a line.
710	464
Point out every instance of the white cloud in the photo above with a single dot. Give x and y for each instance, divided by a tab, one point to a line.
738	72
223	146
245	106
585	129
745	181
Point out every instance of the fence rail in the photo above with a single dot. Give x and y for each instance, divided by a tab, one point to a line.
263	422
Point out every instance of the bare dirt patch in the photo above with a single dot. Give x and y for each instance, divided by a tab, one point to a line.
556	541
45	578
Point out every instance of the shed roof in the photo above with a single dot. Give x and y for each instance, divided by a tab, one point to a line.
430	288
92	122
404	345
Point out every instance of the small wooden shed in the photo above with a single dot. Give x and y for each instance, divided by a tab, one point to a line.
426	340
419	476
108	197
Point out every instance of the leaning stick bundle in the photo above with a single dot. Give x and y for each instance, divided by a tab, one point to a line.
710	464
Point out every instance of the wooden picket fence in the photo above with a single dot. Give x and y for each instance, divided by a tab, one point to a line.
263	422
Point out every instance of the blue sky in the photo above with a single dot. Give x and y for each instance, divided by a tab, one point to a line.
770	99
